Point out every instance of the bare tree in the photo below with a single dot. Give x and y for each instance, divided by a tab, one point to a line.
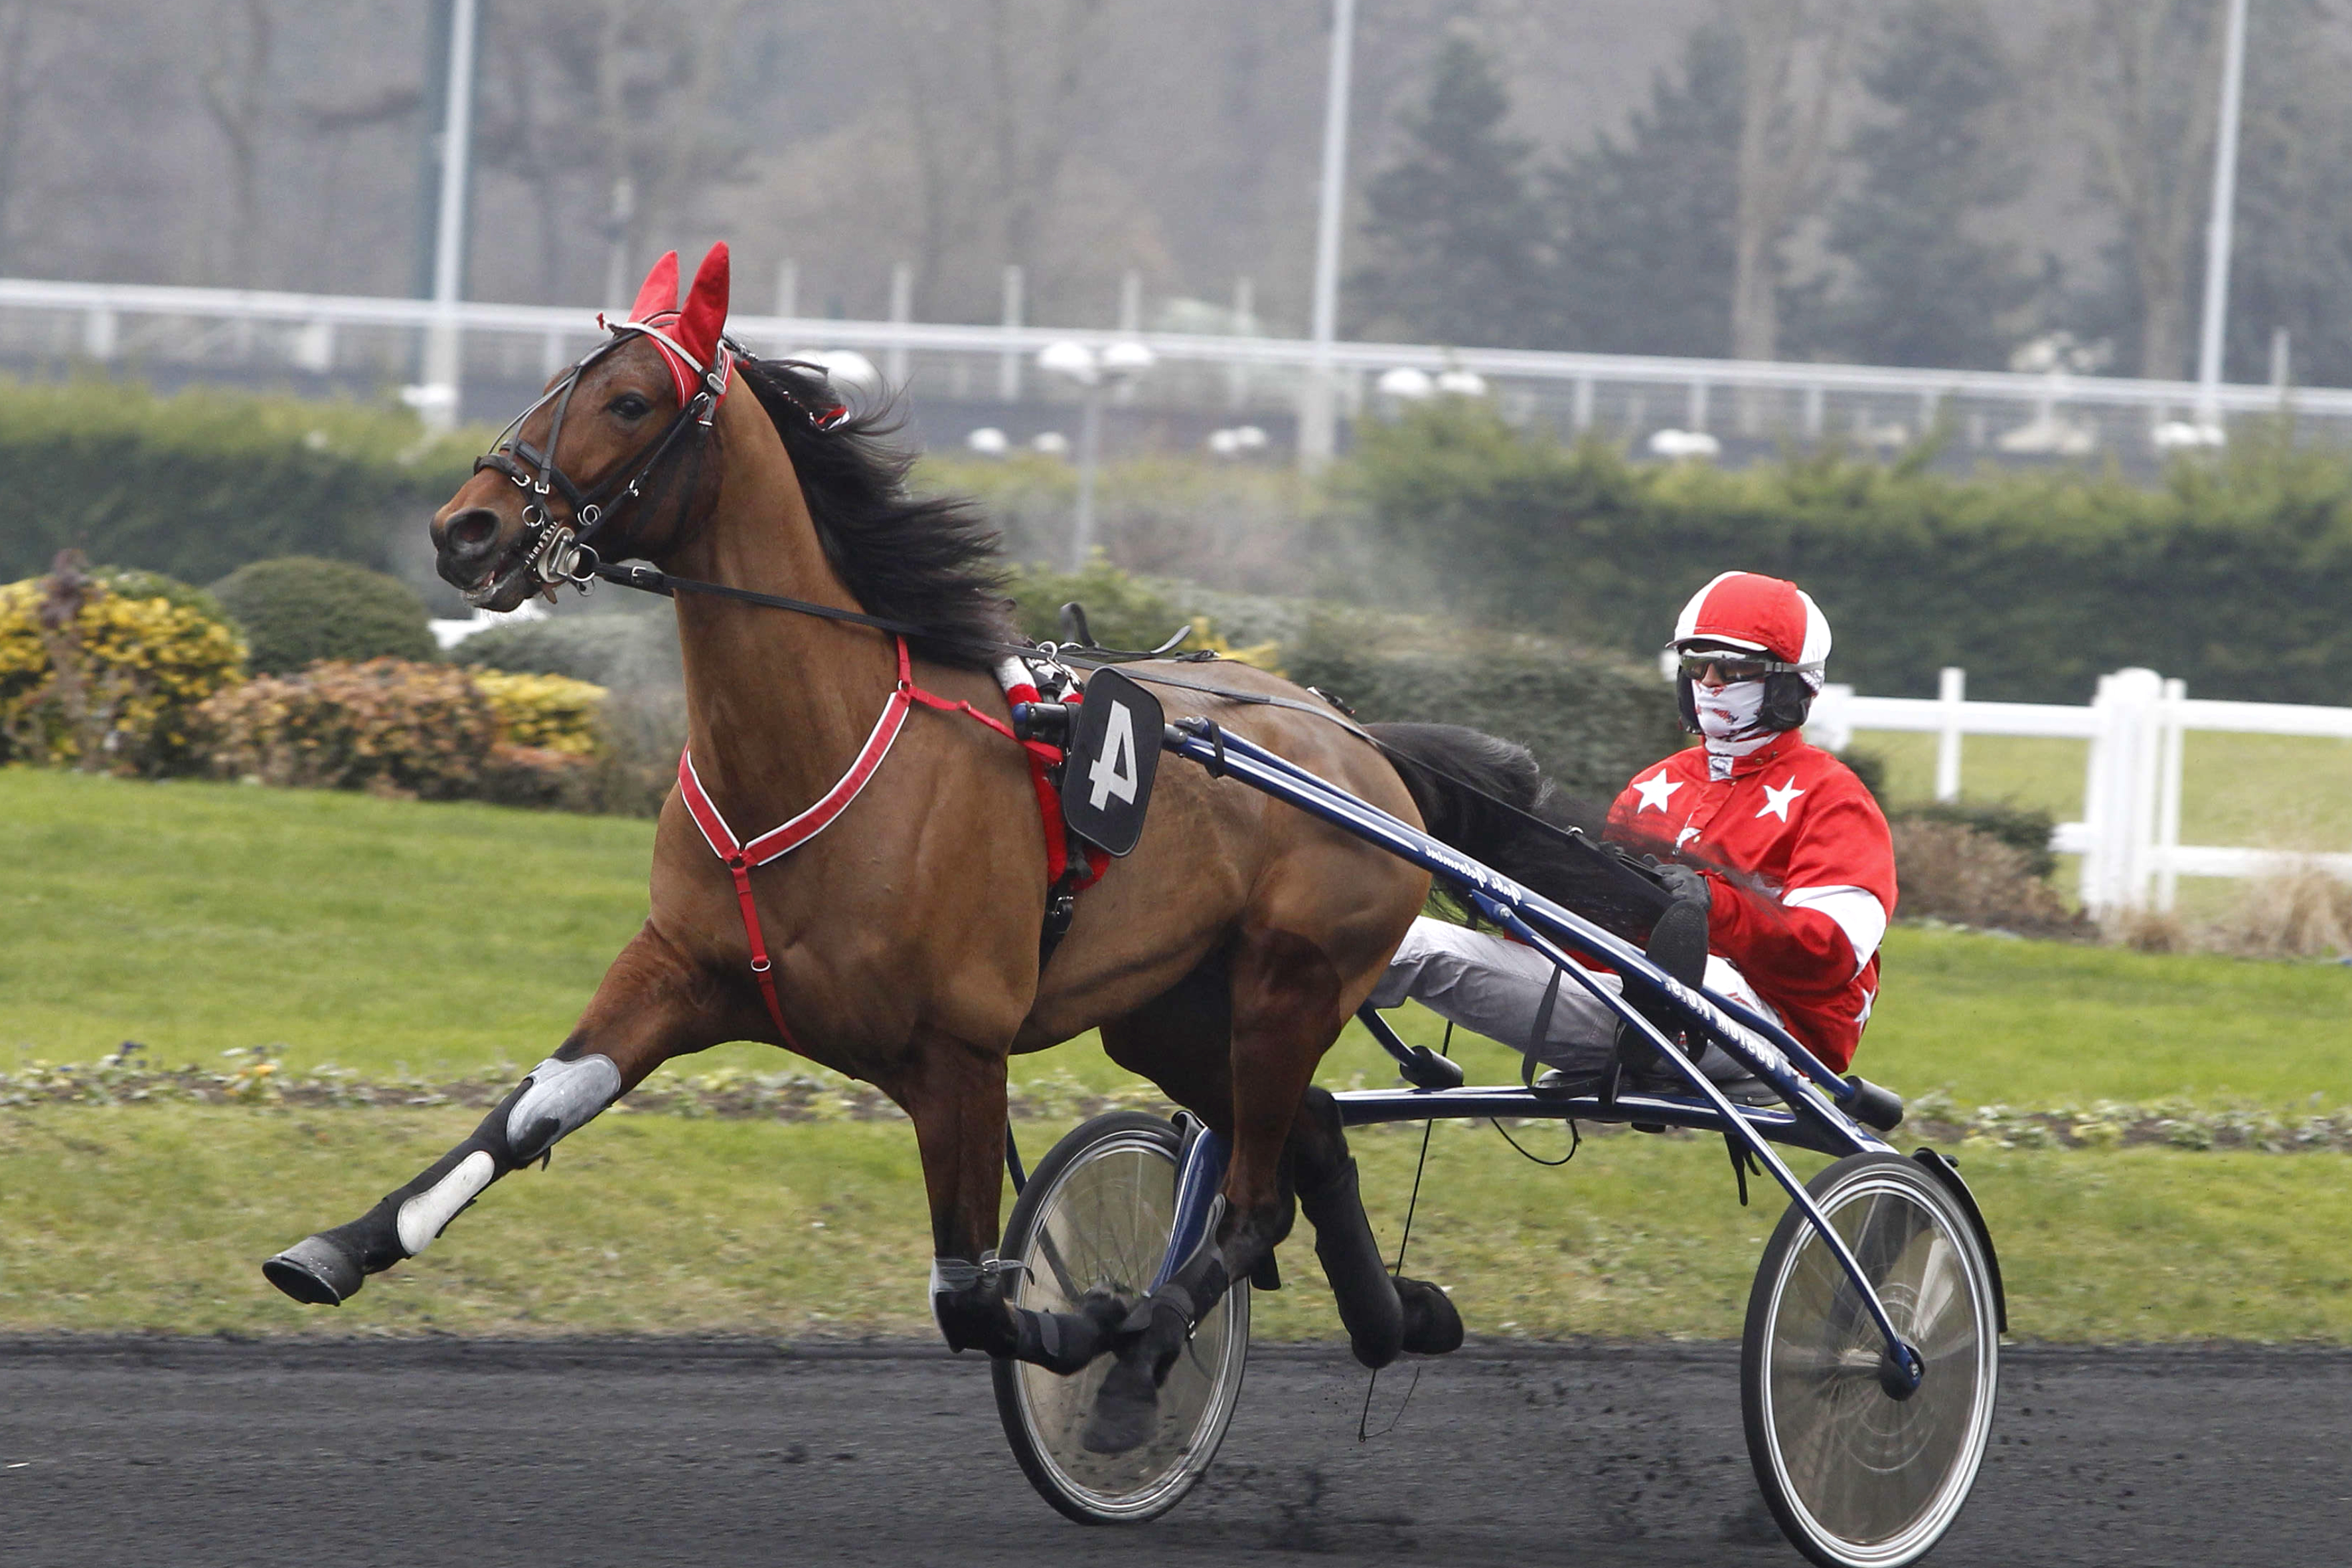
235	88
1792	63
2143	78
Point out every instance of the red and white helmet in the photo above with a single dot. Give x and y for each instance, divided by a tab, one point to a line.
1760	615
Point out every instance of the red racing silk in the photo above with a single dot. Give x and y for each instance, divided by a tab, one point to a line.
1819	863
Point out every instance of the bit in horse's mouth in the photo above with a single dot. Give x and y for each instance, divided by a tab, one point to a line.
487	589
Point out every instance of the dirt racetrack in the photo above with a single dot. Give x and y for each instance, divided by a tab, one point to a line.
201	1452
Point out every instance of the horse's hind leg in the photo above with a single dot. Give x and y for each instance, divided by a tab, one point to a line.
652	1005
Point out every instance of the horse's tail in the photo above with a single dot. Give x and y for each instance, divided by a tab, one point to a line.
1487	798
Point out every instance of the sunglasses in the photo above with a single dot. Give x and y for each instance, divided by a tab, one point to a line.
1730	667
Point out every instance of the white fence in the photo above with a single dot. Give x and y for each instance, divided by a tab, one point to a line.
322	335
2129	833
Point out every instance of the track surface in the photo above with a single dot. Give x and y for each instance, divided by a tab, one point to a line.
190	1453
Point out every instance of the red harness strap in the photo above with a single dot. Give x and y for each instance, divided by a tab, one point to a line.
777	842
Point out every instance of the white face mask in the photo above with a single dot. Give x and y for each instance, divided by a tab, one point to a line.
1731	717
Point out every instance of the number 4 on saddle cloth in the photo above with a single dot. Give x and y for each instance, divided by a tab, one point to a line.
1112	757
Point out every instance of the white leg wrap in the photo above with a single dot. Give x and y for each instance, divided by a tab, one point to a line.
427	1214
569	1092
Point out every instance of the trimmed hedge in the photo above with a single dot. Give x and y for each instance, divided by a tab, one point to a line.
2234	574
198	484
298	609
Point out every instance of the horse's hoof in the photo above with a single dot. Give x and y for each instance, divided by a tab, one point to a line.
316	1272
1126	1412
1431	1326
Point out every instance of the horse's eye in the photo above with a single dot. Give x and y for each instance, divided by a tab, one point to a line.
629	405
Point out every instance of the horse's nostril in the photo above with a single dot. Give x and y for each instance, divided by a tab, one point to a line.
472	532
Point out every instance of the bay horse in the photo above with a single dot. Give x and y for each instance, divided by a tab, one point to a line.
1220	960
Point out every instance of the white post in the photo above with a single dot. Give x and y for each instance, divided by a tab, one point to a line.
1131	302
98	335
1698	417
1008	365
1580	413
2218	222
2281	360
788	288
2123	815
2091	885
902	311
2168	802
1317	423
1951	690
1237	374
443	352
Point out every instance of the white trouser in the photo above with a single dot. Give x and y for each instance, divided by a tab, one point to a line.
1493	986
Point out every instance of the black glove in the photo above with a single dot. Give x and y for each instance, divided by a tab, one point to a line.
1683	884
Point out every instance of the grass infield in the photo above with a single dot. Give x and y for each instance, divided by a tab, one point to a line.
393	937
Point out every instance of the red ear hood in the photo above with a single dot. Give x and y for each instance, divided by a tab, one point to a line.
688	338
658	296
705	315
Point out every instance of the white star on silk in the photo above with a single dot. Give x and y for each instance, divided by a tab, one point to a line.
1778	801
1655	790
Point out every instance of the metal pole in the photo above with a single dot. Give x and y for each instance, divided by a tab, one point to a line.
902	311
1008	366
1082	530
1317	434
442	351
2218	223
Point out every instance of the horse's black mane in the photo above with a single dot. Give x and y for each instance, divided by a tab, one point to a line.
932	562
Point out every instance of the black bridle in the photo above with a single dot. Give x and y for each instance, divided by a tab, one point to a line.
559	550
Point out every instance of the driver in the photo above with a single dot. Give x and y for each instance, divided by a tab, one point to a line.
1773	841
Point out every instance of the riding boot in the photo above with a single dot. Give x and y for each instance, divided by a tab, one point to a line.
1677	944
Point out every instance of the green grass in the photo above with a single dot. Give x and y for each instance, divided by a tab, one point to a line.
387	936
153	1218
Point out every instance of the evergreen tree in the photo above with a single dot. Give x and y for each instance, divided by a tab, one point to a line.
1924	290
1645	265
1458	241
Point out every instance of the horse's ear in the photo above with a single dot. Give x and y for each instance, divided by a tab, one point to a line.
658	296
705	315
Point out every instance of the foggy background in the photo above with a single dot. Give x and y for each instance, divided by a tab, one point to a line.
1930	183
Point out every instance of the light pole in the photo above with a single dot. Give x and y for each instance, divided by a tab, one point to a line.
1121	364
2217	226
436	400
1318	420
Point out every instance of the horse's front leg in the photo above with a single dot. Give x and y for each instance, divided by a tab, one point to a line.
954	1093
653	1003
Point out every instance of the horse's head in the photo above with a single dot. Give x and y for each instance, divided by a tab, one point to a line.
576	476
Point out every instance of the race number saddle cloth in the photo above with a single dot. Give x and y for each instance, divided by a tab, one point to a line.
1065	876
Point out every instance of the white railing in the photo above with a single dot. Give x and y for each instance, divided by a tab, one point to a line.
326	334
2129	832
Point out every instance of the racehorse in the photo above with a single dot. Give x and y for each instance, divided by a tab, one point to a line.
1218	960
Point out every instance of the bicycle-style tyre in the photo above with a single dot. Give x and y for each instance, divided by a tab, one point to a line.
1096	1214
1858	1477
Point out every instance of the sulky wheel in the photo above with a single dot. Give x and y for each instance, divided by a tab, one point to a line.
1857	1477
1095	1217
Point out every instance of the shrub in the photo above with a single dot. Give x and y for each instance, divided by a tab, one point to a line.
2024	829
199	483
387	726
1123	611
544	712
298	609
103	668
2303	911
1949	870
2232	574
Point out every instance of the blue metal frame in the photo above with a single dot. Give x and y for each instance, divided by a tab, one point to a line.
1812	1115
